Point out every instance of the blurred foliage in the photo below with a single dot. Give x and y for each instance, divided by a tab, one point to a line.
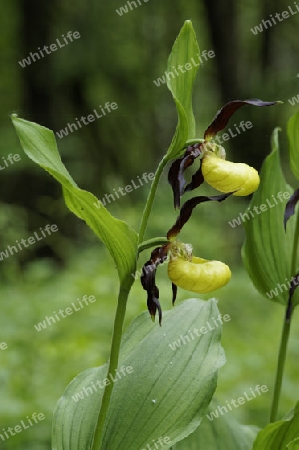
37	366
116	60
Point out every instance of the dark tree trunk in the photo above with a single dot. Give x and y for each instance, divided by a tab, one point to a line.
35	32
222	18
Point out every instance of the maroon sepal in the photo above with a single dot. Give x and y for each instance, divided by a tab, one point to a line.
187	209
174	292
290	207
148	280
290	304
224	114
196	181
176	172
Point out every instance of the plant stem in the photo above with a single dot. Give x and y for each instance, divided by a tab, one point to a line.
152	243
150	198
113	364
121	309
280	369
285	333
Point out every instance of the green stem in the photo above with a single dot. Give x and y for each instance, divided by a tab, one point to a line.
152	243
150	198
295	247
285	333
113	364
280	369
121	309
194	141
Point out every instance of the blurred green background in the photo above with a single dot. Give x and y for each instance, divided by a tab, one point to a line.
116	60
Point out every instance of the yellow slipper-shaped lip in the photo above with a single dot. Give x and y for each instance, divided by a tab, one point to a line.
226	176
198	275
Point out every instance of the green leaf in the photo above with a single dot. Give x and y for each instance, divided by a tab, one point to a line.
39	145
267	251
166	394
294	445
184	53
293	135
219	434
281	435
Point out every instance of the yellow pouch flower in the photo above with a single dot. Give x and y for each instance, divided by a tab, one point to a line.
226	176
198	275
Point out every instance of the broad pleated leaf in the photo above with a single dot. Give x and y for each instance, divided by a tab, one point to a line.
281	435
167	393
267	251
39	145
185	50
290	207
293	135
223	433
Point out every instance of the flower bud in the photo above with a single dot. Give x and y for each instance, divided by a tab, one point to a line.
198	275
226	176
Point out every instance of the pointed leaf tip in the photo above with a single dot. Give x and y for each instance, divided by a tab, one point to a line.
185	50
39	144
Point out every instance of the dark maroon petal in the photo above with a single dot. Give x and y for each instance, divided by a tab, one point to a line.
187	209
196	181
176	172
224	114
148	280
174	292
177	181
153	305
290	207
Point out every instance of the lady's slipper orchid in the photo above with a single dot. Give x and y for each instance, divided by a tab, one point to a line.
226	176
184	270
223	175
196	274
